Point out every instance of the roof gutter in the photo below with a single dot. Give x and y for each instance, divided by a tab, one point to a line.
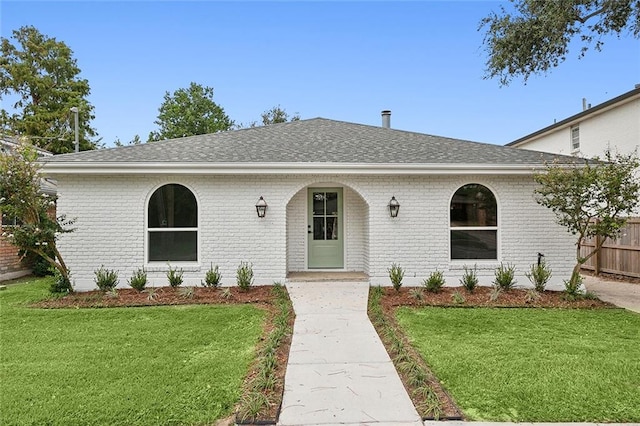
91	168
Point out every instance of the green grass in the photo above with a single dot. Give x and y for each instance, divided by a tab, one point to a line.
133	366
533	365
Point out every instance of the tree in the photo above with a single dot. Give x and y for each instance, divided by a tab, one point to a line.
536	36
189	112
42	76
37	231
592	199
277	115
135	141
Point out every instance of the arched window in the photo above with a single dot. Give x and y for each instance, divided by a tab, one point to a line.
172	224
474	223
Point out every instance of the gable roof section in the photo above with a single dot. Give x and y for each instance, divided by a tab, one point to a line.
303	146
593	111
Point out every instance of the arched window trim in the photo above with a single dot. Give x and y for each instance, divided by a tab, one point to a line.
496	228
147	230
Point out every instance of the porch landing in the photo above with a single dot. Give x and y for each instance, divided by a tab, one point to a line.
322	276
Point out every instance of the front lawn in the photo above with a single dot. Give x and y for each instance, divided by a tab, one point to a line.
135	366
533	365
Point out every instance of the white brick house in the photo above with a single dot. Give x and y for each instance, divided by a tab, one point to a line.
613	124
191	202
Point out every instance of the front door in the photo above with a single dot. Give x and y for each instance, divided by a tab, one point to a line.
325	229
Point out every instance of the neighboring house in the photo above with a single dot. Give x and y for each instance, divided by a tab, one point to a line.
613	124
11	265
328	191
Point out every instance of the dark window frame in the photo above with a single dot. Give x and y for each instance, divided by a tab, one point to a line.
473	224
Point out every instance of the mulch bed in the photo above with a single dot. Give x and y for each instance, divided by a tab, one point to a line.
157	296
481	297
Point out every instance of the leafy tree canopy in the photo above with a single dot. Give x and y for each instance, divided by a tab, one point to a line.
591	199
188	112
536	35
41	77
20	197
277	115
135	141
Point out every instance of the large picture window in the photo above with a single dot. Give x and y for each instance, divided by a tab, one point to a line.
474	223
172	224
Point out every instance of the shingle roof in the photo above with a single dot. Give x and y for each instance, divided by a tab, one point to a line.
315	140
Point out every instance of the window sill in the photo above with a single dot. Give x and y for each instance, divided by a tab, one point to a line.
480	264
164	266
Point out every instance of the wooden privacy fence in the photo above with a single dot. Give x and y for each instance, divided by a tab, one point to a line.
620	256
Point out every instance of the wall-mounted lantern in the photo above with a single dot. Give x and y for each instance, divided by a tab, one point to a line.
261	207
394	207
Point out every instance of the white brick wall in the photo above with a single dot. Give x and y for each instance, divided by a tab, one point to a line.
110	227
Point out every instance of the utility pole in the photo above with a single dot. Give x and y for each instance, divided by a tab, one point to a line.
74	110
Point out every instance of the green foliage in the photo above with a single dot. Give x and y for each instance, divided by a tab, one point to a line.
590	199
105	279
458	298
435	281
174	276
504	276
20	197
44	77
212	277
138	279
244	275
469	279
277	115
189	112
396	274
536	36
573	288
60	284
539	275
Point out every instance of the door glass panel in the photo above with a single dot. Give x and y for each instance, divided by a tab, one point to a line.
318	228
318	203
332	203
332	228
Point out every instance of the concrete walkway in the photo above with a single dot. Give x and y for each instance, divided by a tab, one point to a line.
625	295
339	372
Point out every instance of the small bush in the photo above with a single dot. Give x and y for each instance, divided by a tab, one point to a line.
152	293
396	274
212	277
434	283
187	292
138	279
175	277
573	288
470	278
505	276
417	293
244	275
532	296
105	279
539	275
458	298
60	284
112	293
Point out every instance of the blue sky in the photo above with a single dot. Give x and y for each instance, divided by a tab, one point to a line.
338	60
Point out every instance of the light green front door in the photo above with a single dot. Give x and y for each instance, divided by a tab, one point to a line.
325	231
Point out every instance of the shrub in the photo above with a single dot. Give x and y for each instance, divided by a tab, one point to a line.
112	293
175	277
212	277
244	275
573	288
152	293
138	280
532	296
396	274
434	283
495	293
539	275
417	293
458	298
60	284
505	276
470	278
187	292
106	279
